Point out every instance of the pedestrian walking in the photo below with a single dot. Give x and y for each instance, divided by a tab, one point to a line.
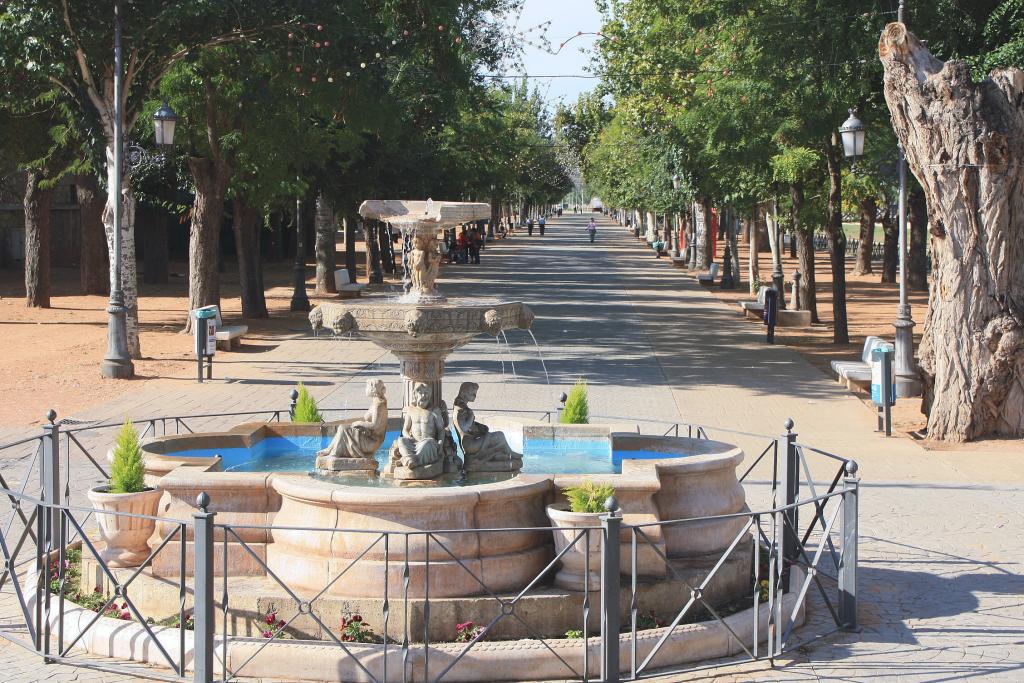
529	228
463	248
592	229
540	224
476	241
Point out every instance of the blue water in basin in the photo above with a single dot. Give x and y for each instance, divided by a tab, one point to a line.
298	453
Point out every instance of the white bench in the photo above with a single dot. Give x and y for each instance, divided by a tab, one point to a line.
755	309
708	278
229	336
857	371
346	288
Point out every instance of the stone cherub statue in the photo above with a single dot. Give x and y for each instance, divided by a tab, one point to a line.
355	444
423	451
424	263
485	451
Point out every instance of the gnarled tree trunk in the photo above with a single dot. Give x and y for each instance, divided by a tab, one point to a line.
868	212
963	142
326	226
94	261
37	203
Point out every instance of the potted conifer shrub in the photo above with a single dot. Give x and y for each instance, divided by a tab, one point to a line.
305	410
582	508
577	407
126	539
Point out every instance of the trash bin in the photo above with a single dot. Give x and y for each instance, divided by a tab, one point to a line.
206	339
883	388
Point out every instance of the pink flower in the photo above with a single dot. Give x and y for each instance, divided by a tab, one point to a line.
271	618
267	634
126	616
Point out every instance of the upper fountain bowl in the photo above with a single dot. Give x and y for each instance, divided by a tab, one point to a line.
422	321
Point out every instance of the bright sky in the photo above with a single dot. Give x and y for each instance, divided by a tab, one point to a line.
566	17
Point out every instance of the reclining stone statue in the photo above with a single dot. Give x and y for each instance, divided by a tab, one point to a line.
354	445
485	451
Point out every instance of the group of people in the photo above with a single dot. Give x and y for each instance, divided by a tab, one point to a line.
466	247
540	224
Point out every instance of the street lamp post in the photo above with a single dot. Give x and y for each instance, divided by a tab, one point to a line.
117	363
679	230
905	372
300	300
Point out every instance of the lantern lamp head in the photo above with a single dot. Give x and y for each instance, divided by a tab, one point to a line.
852	132
163	124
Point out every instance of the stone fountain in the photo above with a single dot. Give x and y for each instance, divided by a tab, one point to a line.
422	328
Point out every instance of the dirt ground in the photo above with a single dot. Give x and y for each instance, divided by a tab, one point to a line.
870	310
51	356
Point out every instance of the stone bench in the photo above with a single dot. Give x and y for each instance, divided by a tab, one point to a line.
346	288
755	309
854	372
708	278
229	337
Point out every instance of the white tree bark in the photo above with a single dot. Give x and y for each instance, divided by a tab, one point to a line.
129	270
964	142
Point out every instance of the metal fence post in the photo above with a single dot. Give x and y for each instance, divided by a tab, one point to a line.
789	479
49	480
848	563
203	611
611	618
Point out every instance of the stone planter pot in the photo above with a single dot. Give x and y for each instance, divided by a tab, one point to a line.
573	573
126	539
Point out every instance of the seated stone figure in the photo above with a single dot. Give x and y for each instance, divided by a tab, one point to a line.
419	452
354	445
485	451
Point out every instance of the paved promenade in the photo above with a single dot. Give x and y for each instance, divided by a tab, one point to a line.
942	546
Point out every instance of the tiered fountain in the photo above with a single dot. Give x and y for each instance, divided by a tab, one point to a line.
422	328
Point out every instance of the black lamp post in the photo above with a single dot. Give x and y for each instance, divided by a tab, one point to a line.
117	363
905	369
300	301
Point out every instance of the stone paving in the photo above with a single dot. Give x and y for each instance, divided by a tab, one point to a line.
942	546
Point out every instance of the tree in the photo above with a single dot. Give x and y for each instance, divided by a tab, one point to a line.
961	139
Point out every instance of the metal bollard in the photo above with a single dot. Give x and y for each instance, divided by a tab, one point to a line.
49	479
771	313
203	611
848	563
611	619
291	406
789	479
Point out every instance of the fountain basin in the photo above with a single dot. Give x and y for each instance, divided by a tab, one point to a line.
335	522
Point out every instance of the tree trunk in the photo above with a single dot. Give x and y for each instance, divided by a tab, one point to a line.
387	251
700	234
37	241
962	140
326	228
868	213
775	245
155	252
247	226
890	247
128	265
211	181
730	234
836	242
917	234
805	252
93	266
